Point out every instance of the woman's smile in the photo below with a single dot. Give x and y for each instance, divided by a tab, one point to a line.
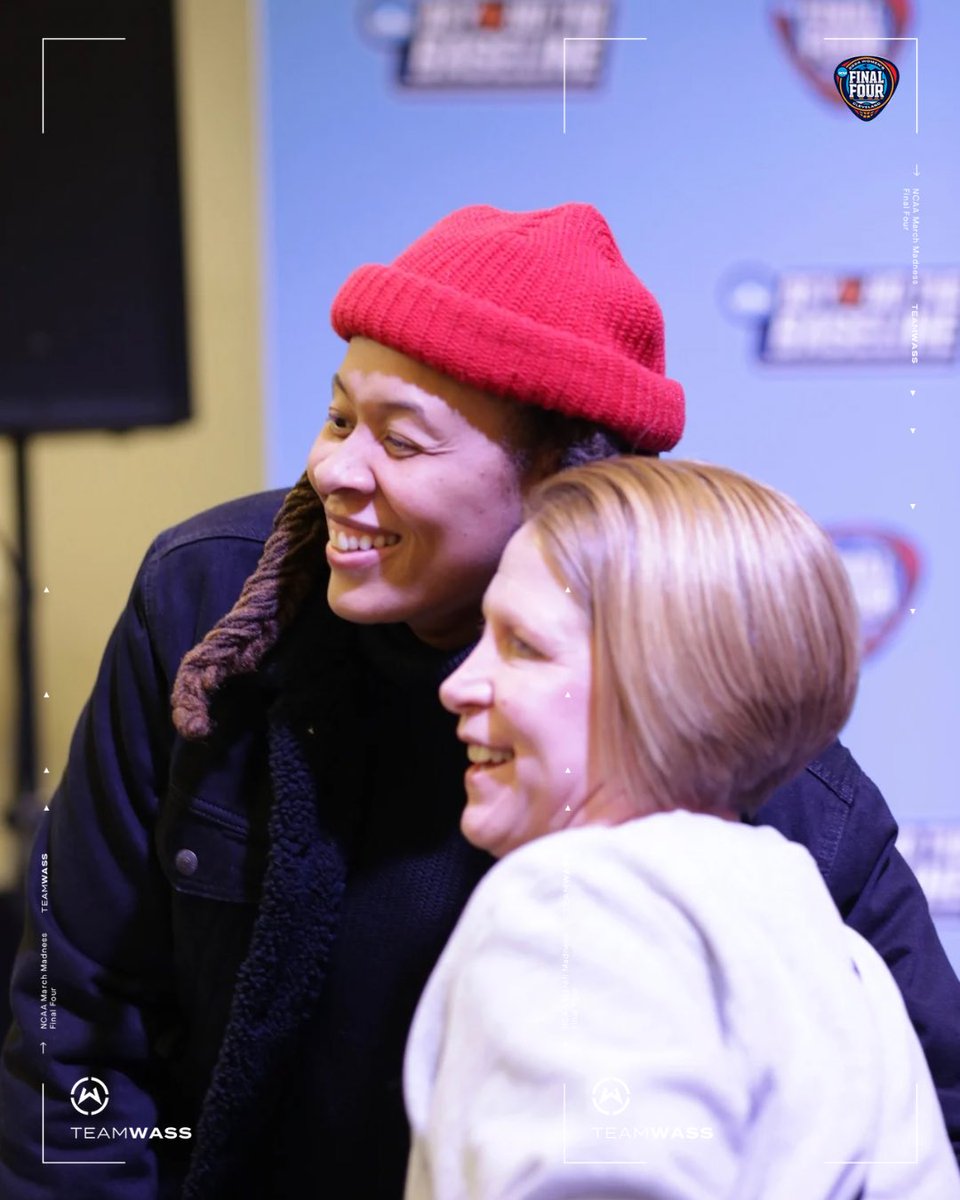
425	464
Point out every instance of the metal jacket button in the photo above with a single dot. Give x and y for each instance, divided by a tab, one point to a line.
185	862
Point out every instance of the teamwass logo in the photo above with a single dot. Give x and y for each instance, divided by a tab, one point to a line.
90	1096
610	1096
866	85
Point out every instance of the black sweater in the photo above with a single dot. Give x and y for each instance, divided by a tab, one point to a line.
410	872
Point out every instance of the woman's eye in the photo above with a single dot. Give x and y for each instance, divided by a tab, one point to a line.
333	418
513	641
341	425
522	647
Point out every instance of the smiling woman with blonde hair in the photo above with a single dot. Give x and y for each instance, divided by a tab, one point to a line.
725	633
648	996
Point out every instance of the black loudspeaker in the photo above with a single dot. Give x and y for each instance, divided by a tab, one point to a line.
92	322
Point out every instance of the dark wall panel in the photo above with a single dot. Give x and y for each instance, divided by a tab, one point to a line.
92	326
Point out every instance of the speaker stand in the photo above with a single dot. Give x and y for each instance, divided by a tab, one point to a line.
24	810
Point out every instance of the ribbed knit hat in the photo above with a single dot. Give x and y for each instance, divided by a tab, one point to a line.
536	306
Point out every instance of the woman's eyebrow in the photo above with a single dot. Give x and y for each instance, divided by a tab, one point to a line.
395	405
528	629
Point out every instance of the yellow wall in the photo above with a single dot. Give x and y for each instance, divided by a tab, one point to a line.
97	500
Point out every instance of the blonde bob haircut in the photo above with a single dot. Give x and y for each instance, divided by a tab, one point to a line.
725	637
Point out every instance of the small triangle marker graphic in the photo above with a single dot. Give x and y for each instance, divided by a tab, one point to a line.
46	695
567	809
912	611
46	808
913	391
566	695
46	590
913	506
46	770
567	771
913	429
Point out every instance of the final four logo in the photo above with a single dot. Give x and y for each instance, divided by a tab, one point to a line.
866	85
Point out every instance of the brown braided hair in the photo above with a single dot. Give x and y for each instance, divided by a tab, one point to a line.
270	599
287	570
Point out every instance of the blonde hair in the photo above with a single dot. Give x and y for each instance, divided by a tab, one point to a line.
725	632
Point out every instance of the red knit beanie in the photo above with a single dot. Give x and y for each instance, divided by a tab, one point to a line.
536	306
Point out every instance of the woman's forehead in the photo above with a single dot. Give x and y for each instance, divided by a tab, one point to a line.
371	372
526	585
366	359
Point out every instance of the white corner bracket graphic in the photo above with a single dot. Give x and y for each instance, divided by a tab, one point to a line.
43	67
586	39
73	1162
916	64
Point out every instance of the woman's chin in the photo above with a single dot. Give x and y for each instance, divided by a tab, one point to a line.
476	828
365	604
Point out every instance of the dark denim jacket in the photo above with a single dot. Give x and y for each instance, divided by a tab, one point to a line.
174	870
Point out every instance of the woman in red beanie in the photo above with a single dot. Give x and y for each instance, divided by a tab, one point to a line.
254	853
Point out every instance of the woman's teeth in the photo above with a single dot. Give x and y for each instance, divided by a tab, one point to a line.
365	542
483	754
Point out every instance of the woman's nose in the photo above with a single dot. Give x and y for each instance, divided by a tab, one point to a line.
470	685
341	465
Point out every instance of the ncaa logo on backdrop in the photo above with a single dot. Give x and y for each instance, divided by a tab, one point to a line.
884	570
866	85
814	32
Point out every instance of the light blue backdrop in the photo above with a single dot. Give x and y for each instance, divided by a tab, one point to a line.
705	150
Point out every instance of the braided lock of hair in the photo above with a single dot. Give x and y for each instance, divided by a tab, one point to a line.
270	599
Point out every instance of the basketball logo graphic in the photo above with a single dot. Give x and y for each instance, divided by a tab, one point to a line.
866	85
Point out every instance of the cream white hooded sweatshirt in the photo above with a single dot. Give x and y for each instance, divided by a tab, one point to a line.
669	1009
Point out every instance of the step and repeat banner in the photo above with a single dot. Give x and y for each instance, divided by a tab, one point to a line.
783	175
